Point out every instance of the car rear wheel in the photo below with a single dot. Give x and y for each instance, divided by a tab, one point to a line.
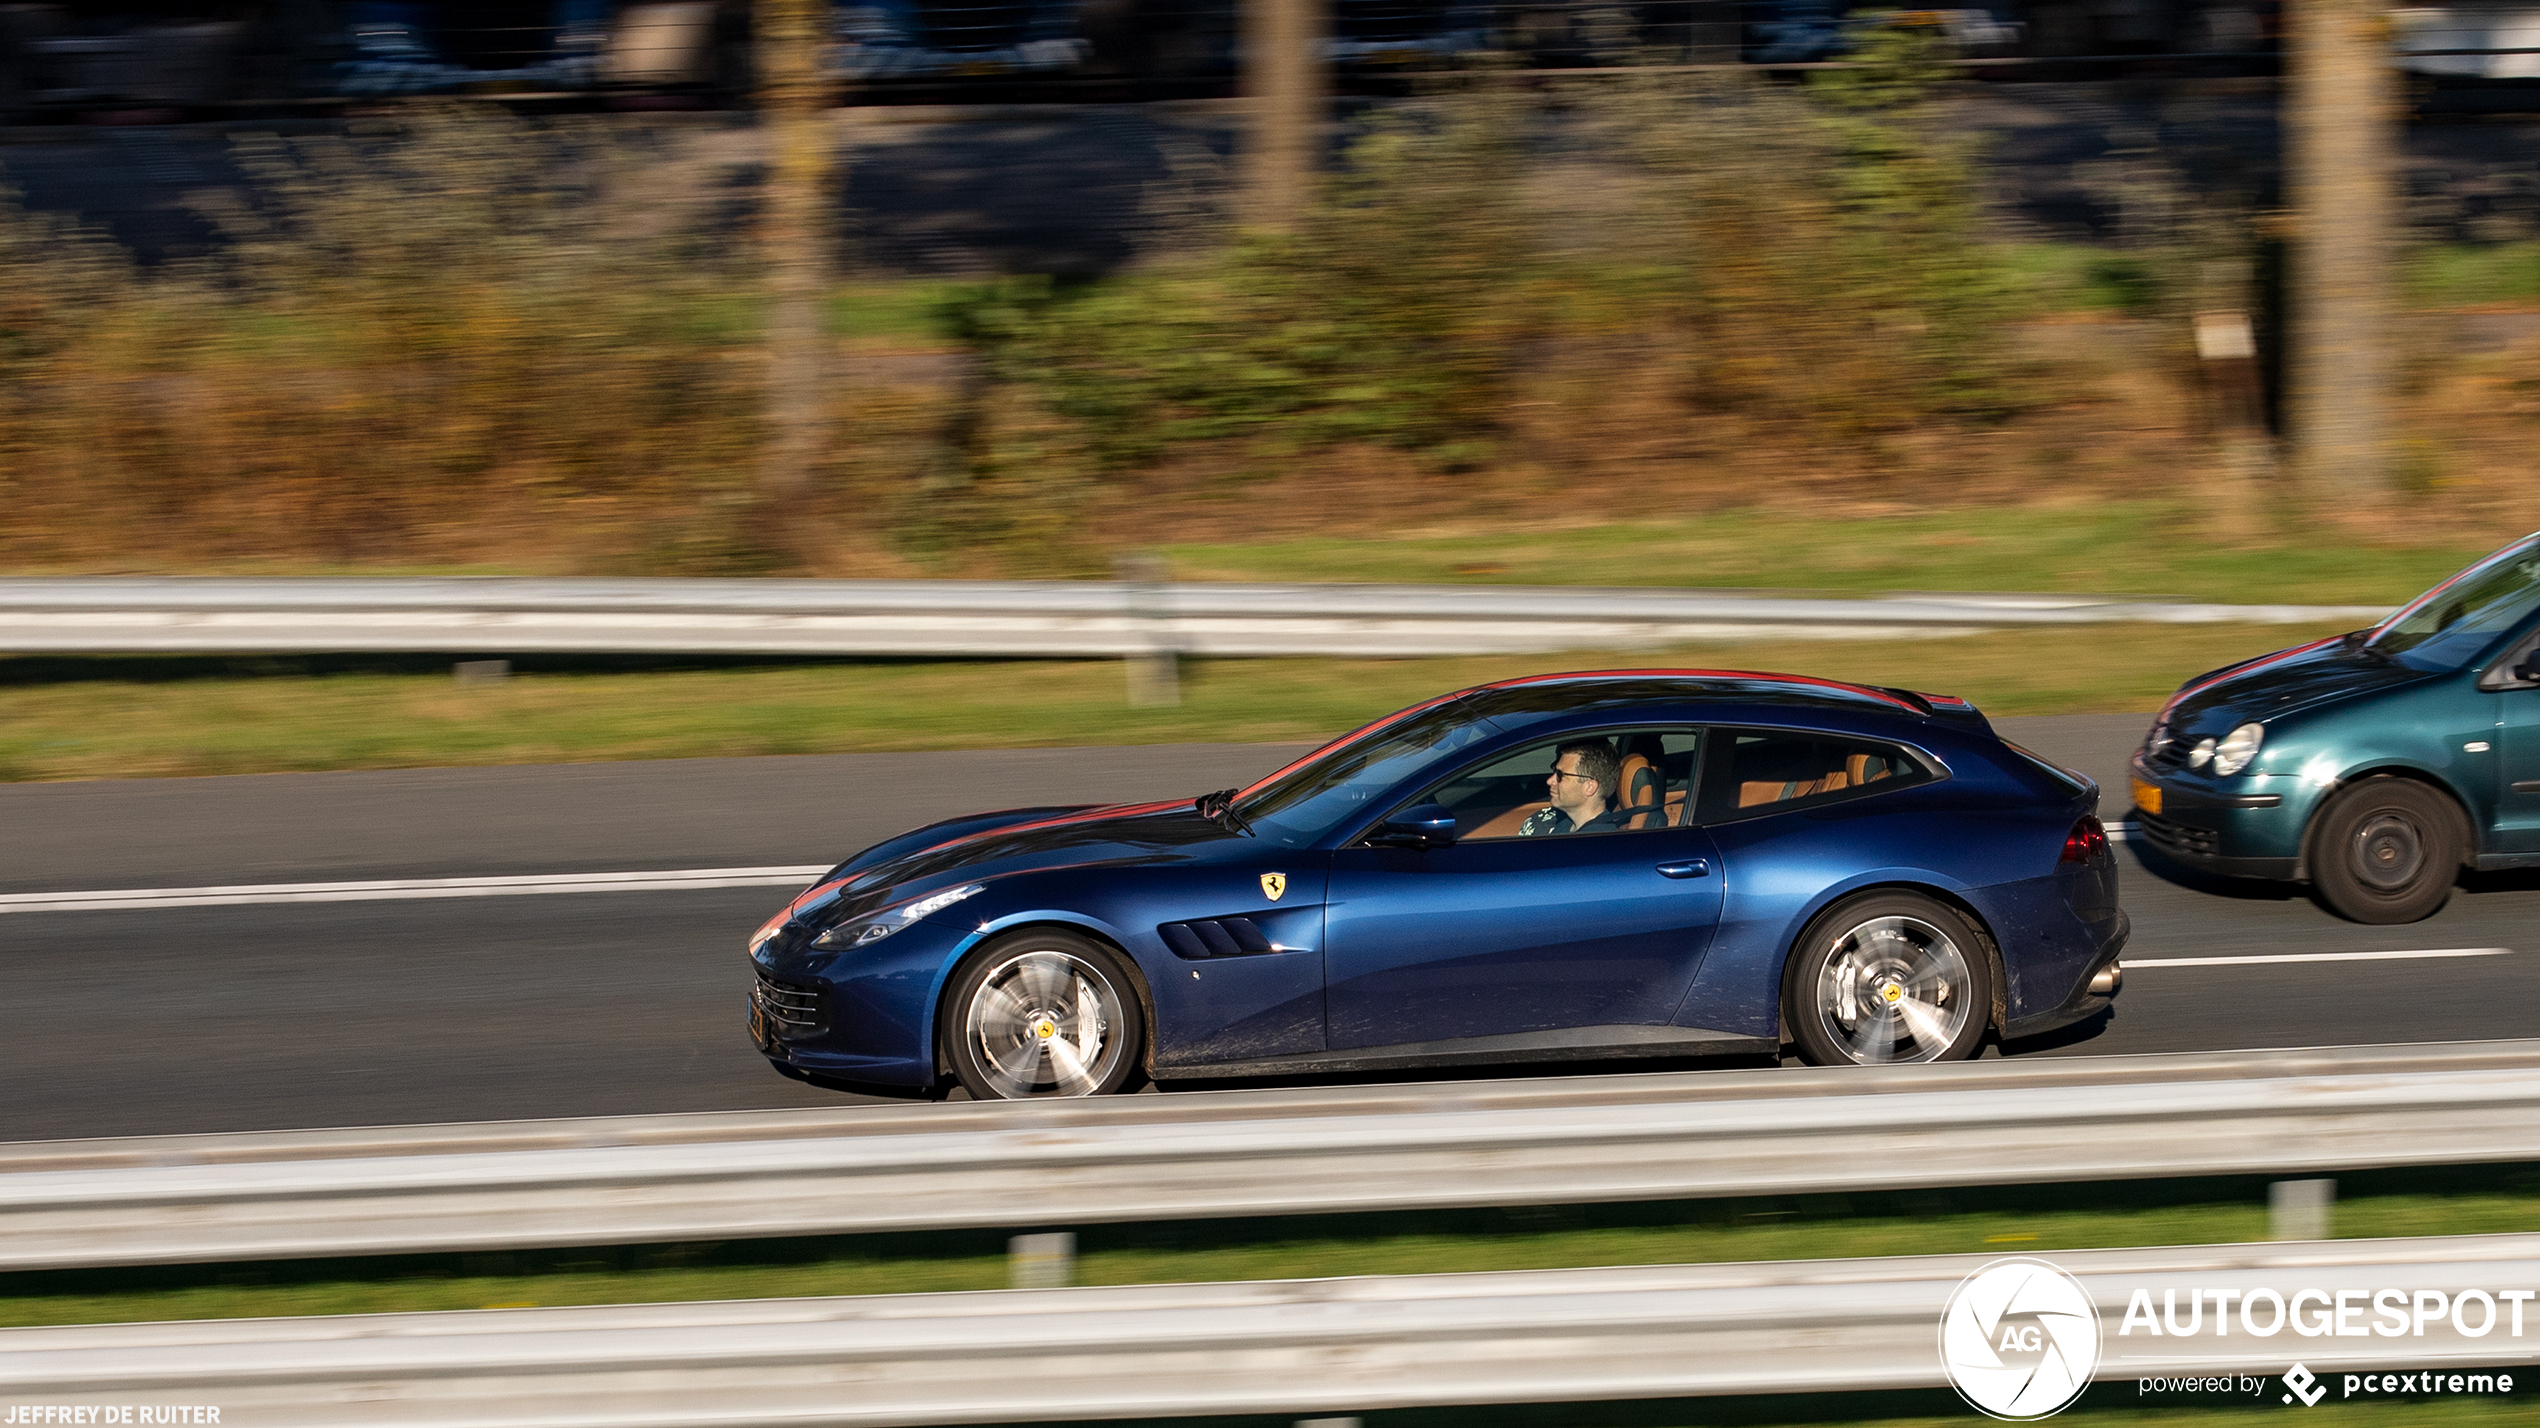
2388	850
1042	1013
1888	979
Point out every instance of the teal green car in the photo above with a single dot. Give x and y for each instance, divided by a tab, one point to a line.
2376	766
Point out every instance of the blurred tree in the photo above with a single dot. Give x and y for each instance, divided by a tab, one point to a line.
2343	110
1286	83
795	239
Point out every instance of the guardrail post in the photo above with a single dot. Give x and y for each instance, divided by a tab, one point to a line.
2300	1209
1041	1261
1155	675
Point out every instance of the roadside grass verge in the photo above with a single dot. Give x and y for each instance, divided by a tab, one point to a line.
2138	548
72	718
2006	1220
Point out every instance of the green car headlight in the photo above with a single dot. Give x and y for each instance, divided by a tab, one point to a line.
2237	748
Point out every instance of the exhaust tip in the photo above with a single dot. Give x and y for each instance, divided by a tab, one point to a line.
2109	979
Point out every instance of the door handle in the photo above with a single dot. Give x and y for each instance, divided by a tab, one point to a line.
1690	868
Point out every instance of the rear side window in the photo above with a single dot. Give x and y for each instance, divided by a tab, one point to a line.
1753	772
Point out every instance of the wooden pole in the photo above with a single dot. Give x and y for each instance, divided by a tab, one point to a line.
2344	113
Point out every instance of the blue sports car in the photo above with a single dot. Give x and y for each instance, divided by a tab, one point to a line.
1626	864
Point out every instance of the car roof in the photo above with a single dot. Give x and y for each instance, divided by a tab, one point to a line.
1555	693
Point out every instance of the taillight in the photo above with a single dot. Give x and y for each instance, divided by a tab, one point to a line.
2087	841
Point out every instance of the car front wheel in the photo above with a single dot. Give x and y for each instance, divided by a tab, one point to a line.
1888	979
1042	1013
2388	850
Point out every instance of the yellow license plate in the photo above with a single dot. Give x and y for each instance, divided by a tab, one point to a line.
2147	796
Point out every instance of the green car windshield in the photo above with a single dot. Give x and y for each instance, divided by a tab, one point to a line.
2447	626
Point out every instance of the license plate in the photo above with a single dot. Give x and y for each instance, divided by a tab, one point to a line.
2147	796
758	1022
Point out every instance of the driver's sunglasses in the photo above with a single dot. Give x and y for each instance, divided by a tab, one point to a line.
1565	773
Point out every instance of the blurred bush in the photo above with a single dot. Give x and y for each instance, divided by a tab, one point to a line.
1801	262
456	338
460	340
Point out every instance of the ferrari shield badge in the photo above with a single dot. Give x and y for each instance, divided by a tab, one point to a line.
1273	885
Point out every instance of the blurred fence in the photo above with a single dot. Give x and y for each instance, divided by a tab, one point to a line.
197	54
1272	1346
1000	618
626	1180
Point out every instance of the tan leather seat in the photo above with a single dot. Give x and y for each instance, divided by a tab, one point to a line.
1506	824
1644	785
1776	791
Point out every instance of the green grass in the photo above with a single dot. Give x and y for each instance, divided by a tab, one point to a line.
2137	548
2081	278
906	311
2017	1220
2456	275
142	718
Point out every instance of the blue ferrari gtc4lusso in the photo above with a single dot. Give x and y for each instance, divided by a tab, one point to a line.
1627	864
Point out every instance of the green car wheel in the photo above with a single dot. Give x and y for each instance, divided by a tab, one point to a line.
2387	850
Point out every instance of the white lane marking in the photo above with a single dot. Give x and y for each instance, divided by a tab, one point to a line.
109	900
2130	964
2120	832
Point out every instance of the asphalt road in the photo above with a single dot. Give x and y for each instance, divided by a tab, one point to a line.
253	1017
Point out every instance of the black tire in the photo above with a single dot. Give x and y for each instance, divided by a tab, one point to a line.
2387	850
1042	1012
1888	978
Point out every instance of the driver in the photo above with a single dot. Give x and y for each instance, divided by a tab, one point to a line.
1582	782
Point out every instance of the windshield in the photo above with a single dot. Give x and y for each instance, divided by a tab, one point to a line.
1306	802
2450	624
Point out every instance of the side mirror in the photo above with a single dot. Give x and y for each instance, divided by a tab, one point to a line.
1425	825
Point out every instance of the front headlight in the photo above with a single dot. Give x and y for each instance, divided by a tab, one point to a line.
874	926
2237	748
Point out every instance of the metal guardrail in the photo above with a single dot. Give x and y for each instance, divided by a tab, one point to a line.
957	617
165	1199
1276	1346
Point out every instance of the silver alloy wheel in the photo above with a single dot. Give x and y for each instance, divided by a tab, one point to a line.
1895	989
1045	1023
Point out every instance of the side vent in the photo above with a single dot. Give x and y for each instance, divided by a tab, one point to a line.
1216	937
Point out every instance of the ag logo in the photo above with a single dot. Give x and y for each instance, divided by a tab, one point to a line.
2020	1339
1274	885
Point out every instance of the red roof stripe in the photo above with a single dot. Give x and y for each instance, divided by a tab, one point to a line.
1710	674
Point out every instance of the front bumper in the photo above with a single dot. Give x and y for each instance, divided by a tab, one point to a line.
2251	828
864	1014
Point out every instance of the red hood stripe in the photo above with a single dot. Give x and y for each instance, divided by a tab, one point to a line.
1064	820
2279	657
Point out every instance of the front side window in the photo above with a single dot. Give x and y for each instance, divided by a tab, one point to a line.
1609	782
1754	772
2447	626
